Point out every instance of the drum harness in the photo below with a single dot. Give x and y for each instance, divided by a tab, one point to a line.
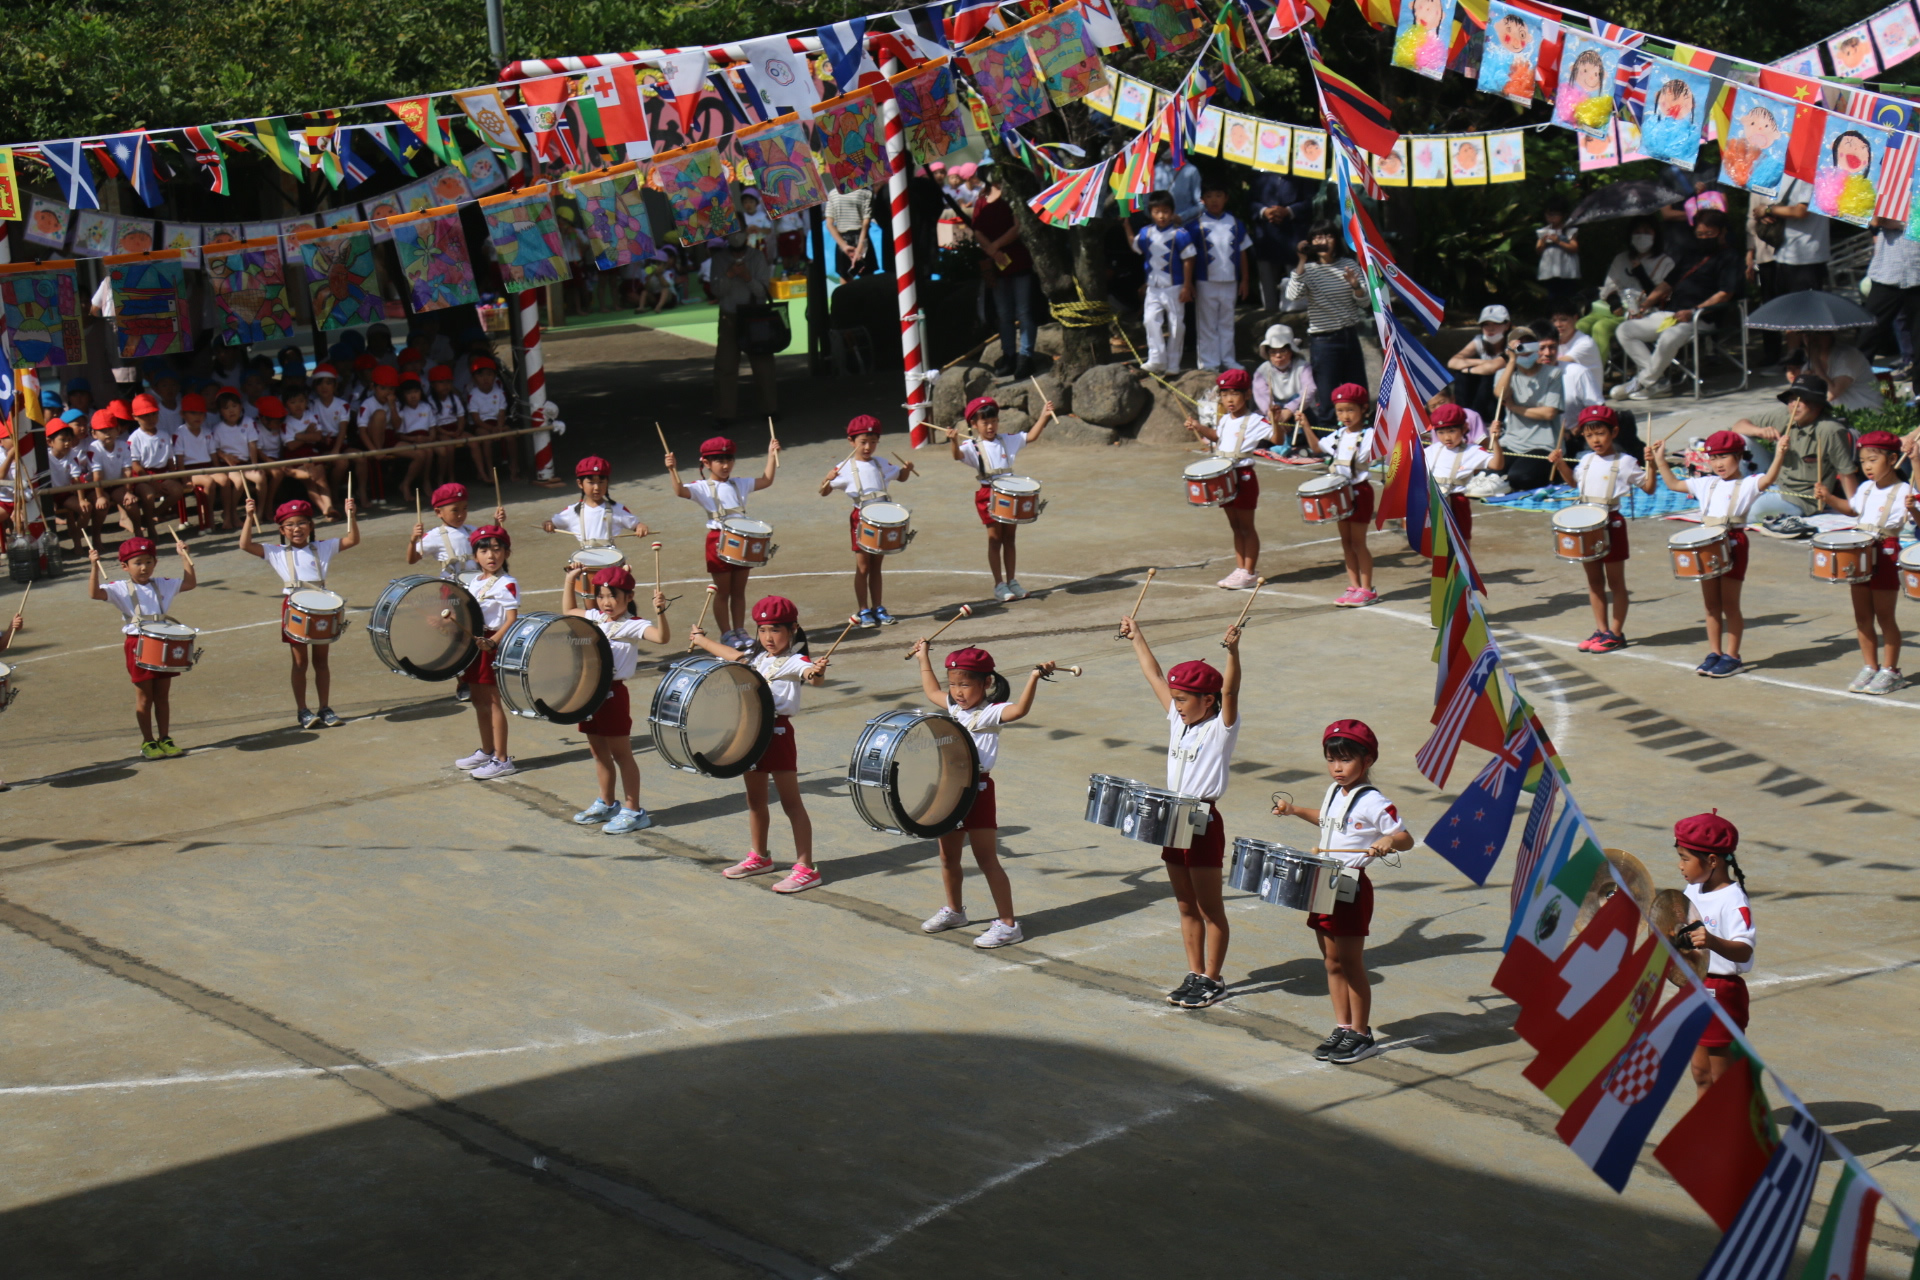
1606	497
1239	456
453	566
1730	520
1328	826
1350	462
1452	479
722	513
301	584
862	497
579	514
980	462
970	720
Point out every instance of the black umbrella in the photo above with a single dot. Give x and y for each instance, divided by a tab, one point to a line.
1810	309
1643	198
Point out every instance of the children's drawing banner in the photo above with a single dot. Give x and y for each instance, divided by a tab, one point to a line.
433	257
526	240
847	134
341	280
149	313
249	289
783	165
1067	55
1005	74
40	306
930	111
616	218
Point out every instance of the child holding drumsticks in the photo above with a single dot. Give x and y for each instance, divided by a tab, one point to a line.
1603	477
499	597
724	498
1725	497
991	455
864	477
1880	502
1350	449
144	598
609	730
1235	434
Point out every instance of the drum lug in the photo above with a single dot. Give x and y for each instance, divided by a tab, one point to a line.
772	548
197	655
1201	818
911	534
1040	507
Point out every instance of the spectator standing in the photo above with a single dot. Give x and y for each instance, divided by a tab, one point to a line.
1708	275
1530	403
740	279
1182	183
1008	273
1328	279
1220	275
1580	378
1276	218
1477	364
848	216
1895	295
1559	250
1805	239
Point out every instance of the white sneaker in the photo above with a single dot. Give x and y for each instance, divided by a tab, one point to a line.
1888	679
1151	367
942	920
1014	590
474	761
1624	389
1000	934
1238	580
1860	682
1002	592
496	769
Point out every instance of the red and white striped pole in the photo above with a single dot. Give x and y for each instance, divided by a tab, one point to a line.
536	374
912	342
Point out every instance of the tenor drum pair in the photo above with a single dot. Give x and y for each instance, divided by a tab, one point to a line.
1211	482
1014	500
914	773
314	617
1288	877
884	529
1151	815
1844	557
1580	533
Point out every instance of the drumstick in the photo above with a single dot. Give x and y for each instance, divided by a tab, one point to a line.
664	446
1072	671
496	489
7	642
837	639
1137	599
774	439
656	567
418	517
897	458
711	589
1248	606
966	611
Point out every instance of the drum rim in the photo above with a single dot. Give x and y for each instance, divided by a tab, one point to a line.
1606	515
541	711
999	481
707	663
166	630
760	527
293	598
907	719
380	633
1855	539
1909	556
1220	467
1694	539
619	557
1323	484
866	516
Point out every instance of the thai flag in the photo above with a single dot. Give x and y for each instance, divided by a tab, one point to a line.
1762	1239
1608	1124
1895	199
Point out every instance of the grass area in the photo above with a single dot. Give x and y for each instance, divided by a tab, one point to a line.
699	321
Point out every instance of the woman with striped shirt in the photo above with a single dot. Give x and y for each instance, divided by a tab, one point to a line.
1329	279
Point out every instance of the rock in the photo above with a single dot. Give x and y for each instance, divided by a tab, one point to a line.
1077	433
1060	393
1015	420
953	389
1048	340
1164	422
1016	396
1109	395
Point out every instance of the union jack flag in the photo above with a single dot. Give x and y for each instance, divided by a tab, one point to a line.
1630	84
1616	33
1436	758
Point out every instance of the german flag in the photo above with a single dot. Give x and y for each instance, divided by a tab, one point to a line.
1364	120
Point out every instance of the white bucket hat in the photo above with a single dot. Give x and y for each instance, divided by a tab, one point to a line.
1495	314
1281	335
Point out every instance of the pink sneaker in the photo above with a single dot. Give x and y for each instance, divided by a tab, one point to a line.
1365	596
801	877
1348	598
752	865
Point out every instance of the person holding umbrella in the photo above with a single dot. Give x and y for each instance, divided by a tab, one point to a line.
1707	275
1815	450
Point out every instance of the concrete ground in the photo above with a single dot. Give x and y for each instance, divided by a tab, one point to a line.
315	1003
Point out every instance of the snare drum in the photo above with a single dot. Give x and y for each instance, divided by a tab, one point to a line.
1211	482
1107	798
166	647
1329	498
1014	500
1307	881
711	717
550	666
1909	565
425	627
747	543
314	617
914	773
594	559
883	529
1845	556
1580	533
1699	554
1250	863
1165	819
7	691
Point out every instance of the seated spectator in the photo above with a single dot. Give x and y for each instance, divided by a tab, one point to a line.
1623	295
1528	389
1579	360
1817	448
1707	275
1283	383
1475	364
1848	373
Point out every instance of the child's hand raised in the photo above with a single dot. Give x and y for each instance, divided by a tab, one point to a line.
1127	630
419	531
1231	641
500	516
659	602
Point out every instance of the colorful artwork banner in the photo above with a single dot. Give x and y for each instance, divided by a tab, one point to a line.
433	258
48	221
1392	169
1506	157
1675	114
615	218
783	165
1467	161
1759	130
526	239
930	111
1509	66
1584	100
1846	183
342	282
1420	40
40	305
694	180
1005	74
847	141
1068	57
249	290
149	313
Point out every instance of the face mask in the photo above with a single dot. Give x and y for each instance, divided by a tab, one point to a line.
1528	361
1642	242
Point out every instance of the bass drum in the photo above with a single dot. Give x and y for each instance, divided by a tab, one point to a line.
914	773
553	667
711	717
425	627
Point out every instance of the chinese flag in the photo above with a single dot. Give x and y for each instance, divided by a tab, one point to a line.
1809	122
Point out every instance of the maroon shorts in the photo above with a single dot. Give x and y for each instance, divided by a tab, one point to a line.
1616	539
853	530
614	719
783	753
1886	567
1362	504
985	814
1462	513
1209	849
1737	546
1731	991
982	499
480	670
1246	492
141	675
714	563
1347	919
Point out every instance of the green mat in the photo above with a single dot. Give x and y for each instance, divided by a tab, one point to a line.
699	322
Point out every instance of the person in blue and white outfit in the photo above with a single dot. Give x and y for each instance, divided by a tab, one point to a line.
1169	252
1220	275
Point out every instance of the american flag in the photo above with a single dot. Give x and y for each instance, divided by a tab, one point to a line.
1436	758
1895	199
1630	84
1533	838
1761	1241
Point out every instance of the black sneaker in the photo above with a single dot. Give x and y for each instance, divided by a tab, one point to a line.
1179	993
1003	368
1205	991
1359	1044
1335	1041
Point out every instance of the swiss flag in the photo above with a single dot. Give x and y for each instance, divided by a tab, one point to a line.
617	98
1809	122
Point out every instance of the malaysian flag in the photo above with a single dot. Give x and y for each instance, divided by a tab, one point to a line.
1761	1240
1895	198
1887	113
1436	758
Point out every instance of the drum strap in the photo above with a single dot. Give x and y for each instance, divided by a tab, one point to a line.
1327	826
1606	497
1731	519
722	511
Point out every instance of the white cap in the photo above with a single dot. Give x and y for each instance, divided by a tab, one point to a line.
1281	335
1495	314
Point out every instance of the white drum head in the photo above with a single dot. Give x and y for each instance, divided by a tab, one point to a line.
1325	484
598	557
747	528
566	661
1910	558
425	627
1696	537
166	630
6	672
712	717
317	601
1579	518
1208	468
885	513
1844	540
1016	484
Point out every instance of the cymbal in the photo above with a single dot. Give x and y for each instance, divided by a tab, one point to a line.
1633	872
1670	911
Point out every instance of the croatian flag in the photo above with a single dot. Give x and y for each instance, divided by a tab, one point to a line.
1609	1123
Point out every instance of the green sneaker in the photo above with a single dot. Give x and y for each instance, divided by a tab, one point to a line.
168	749
153	751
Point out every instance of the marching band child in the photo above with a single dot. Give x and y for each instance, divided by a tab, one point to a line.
1367	827
144	598
1721	924
596	520
609	730
1880	502
990	454
1602	478
780	655
1236	433
1203	726
1725	498
724	498
1451	461
967	699
451	541
302	564
499	597
1351	448
864	478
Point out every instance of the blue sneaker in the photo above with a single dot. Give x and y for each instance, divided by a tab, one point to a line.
886	619
598	811
866	618
1727	666
1707	665
628	820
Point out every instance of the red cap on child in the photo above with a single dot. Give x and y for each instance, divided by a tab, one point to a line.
298	509
864	425
136	547
1706	833
979	405
193	402
593	466
384	376
776	611
481	362
1448	417
1234	380
269	407
716	447
447	493
1880	440
440	373
616	577
144	403
1726	442
105	420
1600	413
411	355
365	360
493	533
325	371
1196	677
1349	393
970	659
1353	731
119	411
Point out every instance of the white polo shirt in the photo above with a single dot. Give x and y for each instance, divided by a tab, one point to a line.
1198	755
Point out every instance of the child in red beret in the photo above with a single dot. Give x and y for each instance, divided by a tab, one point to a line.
1357	824
780	655
1719	922
723	498
596	520
302	565
609	730
144	598
1603	477
1237	432
1725	497
498	593
991	454
976	697
1350	451
1203	726
864	478
1880	505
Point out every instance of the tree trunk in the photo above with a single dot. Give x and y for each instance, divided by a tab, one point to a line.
1063	257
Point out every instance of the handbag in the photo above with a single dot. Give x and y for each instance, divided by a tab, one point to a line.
762	328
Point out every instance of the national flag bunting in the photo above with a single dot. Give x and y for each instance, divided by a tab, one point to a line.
133	154
68	160
1895	196
1841	1251
1539	931
845	44
275	142
1474	830
1719	1149
208	154
1436	758
1759	1245
1609	1122
1579	1028
1360	117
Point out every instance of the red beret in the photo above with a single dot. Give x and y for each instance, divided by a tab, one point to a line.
1448	416
269	407
1706	833
493	533
385	376
440	373
1349	393
776	611
1353	731
104	420
324	371
366	360
1726	442
411	355
970	660
717	447
616	577
1600	413
298	509
144	403
193	402
1196	677
136	547
1234	380
447	493
865	424
1880	440
592	466
979	405
481	362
